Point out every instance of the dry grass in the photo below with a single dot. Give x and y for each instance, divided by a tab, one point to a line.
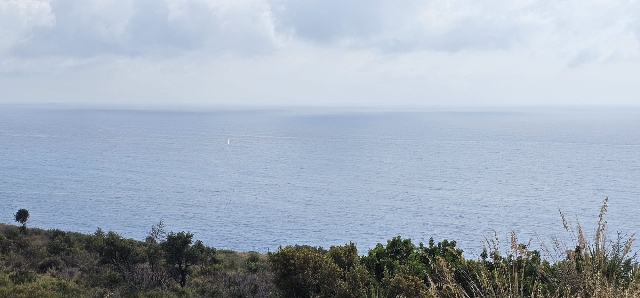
590	267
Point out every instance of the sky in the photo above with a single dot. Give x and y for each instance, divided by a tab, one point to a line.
320	53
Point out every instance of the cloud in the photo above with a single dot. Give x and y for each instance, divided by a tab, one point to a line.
404	26
579	31
148	28
585	31
329	20
83	29
19	17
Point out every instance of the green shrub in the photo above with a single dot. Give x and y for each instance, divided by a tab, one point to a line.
52	263
253	263
23	277
385	261
304	271
406	286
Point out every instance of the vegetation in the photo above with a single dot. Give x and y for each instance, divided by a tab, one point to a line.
22	216
54	263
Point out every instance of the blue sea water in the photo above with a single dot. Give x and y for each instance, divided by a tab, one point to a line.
257	179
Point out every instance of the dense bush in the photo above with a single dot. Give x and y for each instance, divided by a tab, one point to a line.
602	268
54	263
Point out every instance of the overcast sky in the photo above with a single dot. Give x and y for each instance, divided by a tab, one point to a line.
329	52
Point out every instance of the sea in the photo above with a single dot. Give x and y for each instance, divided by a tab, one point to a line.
257	179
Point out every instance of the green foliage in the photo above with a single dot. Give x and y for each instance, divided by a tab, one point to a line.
304	271
521	272
69	264
54	263
404	285
445	250
157	233
253	263
42	287
62	243
353	276
399	255
23	276
180	254
447	271
346	257
22	216
121	254
398	266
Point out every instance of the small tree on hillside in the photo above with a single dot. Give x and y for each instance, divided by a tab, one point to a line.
180	254
22	216
122	254
155	254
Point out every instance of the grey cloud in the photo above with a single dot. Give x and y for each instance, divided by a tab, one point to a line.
85	29
394	26
329	20
73	33
18	18
467	34
144	28
578	31
476	34
581	58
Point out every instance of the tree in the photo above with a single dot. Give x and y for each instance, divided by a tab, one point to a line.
22	216
354	278
157	233
305	272
180	254
122	254
154	253
398	255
